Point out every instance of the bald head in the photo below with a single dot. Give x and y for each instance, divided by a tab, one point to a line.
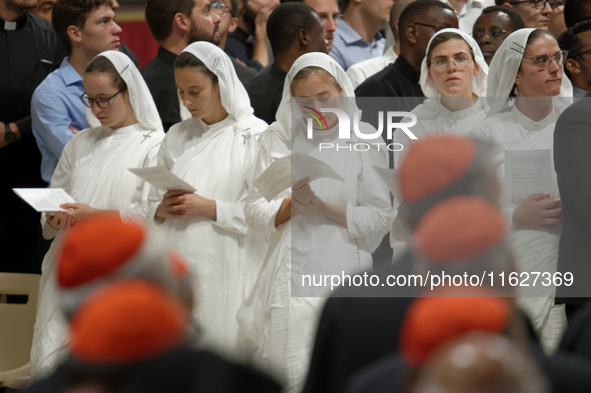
484	363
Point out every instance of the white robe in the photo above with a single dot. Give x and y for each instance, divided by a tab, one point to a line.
534	250
432	119
93	170
214	159
280	324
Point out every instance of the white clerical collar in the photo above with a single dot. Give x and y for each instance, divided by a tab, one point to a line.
10	26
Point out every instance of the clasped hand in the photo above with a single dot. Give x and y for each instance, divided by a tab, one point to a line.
181	204
538	211
303	200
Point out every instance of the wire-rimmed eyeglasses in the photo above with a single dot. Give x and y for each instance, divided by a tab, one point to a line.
461	61
541	4
219	7
543	61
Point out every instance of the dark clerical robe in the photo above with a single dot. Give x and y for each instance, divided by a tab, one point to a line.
29	50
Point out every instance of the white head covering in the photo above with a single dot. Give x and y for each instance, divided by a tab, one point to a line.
478	82
504	68
234	97
139	95
283	124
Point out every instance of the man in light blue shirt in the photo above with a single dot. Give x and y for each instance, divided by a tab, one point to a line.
357	37
56	110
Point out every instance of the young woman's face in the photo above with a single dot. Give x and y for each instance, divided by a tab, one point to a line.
118	112
532	81
199	94
453	78
317	91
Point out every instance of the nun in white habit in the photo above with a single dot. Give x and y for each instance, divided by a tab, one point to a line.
321	227
126	133
453	77
213	151
525	81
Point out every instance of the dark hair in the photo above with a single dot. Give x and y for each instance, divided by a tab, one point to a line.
285	23
103	65
514	18
186	59
417	10
345	4
235	6
305	72
444	37
570	41
160	15
68	13
576	11
533	36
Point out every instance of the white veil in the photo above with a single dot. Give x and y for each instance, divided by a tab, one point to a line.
504	68
479	82
234	97
284	117
140	97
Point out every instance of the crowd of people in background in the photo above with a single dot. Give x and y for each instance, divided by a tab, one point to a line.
150	289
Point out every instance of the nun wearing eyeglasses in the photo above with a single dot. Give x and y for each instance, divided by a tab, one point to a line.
126	132
524	82
453	77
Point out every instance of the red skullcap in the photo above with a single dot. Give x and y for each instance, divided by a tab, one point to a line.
128	321
97	247
433	164
433	321
179	266
459	228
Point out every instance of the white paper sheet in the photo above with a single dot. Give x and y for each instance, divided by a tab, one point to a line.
390	177
278	177
46	200
162	178
526	172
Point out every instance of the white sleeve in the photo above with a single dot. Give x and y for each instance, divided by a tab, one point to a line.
370	218
60	179
259	213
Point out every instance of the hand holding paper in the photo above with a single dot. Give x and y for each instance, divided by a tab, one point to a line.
279	175
162	178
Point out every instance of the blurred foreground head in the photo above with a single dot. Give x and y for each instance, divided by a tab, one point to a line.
463	234
117	328
440	167
452	312
104	248
481	363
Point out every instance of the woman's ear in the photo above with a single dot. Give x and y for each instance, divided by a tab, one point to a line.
476	68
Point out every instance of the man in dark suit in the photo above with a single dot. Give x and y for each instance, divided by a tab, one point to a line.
572	160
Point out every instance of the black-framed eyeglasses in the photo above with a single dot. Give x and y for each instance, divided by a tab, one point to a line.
103	103
543	61
492	34
541	4
219	7
461	61
436	28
